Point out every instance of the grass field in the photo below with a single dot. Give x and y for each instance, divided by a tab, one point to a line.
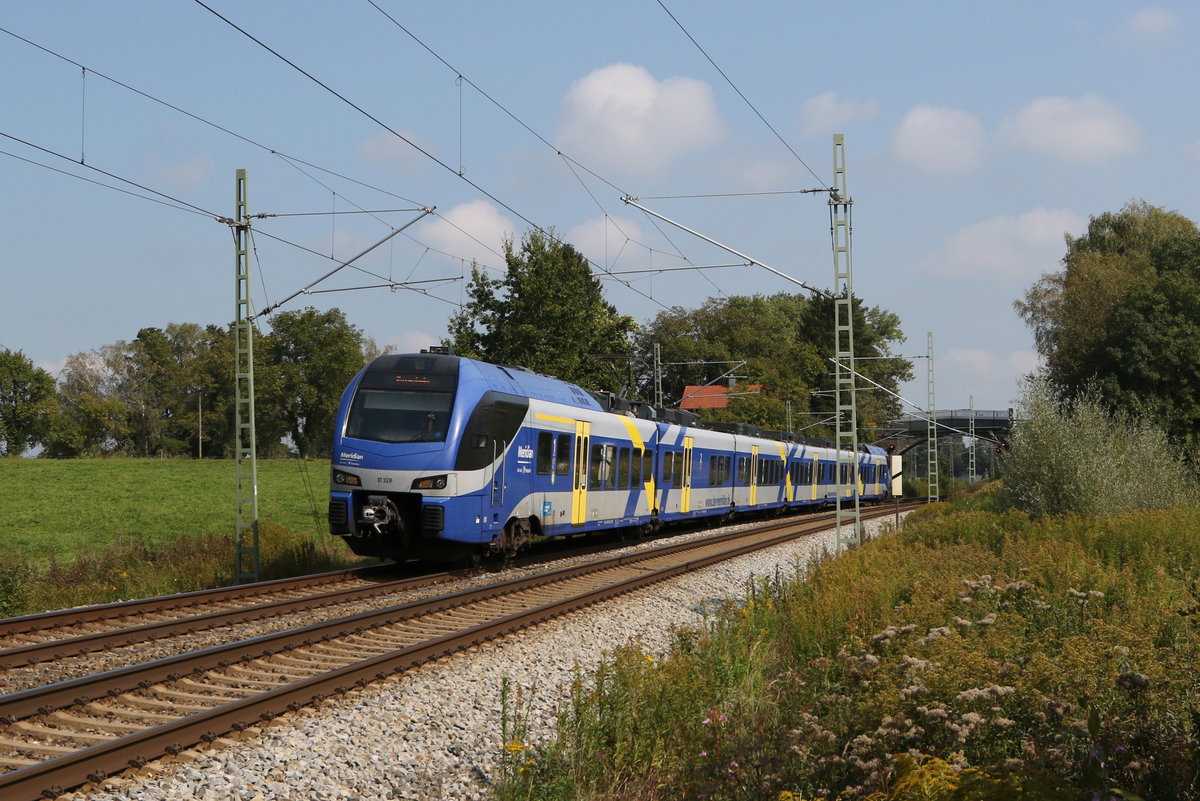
88	531
61	508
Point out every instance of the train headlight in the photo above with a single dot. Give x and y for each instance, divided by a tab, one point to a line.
430	483
346	479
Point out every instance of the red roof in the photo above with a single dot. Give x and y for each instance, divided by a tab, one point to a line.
711	397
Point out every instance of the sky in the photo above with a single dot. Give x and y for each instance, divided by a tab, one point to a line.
976	137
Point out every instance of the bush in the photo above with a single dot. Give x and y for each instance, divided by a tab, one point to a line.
1081	458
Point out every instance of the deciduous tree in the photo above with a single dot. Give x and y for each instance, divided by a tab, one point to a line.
27	403
547	314
316	354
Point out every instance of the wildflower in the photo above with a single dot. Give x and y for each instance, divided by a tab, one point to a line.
514	746
703	753
649	659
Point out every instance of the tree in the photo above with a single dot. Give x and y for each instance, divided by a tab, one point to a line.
1122	316
547	314
1067	310
315	355
27	403
786	342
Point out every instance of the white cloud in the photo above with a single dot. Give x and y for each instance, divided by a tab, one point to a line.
388	151
619	118
1005	249
189	174
472	231
1087	129
991	376
977	361
411	341
940	140
605	238
827	113
1150	25
53	368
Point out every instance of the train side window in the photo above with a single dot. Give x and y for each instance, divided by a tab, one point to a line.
648	466
595	470
545	454
667	464
743	474
635	476
623	469
610	466
562	458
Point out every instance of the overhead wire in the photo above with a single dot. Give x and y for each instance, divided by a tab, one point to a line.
291	160
735	88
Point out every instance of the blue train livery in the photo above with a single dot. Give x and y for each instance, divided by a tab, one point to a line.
444	458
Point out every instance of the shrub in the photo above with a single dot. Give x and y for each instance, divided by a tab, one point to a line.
1081	458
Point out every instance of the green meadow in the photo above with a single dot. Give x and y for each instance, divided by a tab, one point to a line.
95	530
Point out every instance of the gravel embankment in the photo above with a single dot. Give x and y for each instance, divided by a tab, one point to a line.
434	733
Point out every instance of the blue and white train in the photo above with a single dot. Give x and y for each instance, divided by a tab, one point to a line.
442	457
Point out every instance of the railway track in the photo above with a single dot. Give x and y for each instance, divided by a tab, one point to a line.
77	731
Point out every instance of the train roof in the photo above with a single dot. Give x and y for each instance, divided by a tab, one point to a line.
526	383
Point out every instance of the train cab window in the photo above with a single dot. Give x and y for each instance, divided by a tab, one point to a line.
396	415
596	469
562	455
635	476
545	452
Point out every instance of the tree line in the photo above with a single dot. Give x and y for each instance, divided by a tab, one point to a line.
170	391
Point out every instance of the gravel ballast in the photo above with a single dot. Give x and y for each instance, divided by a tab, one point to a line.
435	732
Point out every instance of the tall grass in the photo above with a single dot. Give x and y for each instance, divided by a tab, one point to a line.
973	655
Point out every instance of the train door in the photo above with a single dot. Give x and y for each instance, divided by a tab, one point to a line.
685	501
753	475
583	432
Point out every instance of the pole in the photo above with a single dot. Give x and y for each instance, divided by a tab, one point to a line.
848	523
245	449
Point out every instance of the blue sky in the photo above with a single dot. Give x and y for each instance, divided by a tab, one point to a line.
976	136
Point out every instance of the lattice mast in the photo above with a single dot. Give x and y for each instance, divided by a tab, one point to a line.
932	430
848	508
246	534
971	432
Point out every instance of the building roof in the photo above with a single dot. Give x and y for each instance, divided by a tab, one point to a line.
712	396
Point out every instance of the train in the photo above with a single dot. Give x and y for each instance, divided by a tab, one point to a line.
445	458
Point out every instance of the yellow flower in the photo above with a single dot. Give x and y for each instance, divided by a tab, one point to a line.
649	659
514	745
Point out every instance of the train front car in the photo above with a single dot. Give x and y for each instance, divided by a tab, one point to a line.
437	457
393	444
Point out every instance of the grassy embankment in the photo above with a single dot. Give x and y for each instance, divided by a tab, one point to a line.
976	654
98	530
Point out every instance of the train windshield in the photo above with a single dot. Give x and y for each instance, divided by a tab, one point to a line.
399	415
